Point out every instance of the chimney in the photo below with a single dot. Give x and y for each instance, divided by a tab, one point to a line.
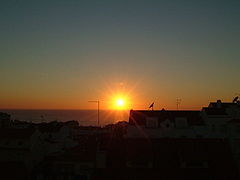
238	102
219	103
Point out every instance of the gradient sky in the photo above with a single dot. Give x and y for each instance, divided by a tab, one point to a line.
60	54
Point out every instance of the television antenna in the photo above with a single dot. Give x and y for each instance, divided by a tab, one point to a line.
151	106
178	102
236	98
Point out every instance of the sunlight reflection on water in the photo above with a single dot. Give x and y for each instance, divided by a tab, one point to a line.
84	117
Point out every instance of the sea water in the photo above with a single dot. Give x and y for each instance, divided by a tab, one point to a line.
84	117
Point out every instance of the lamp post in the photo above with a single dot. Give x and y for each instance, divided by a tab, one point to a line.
98	102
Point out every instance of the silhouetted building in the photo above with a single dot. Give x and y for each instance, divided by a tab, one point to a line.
163	144
160	124
5	120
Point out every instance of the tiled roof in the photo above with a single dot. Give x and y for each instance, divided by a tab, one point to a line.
215	111
139	116
223	104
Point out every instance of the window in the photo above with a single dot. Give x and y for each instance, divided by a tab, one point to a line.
65	167
7	142
194	164
139	164
181	122
167	124
213	128
20	143
238	128
223	128
152	122
199	136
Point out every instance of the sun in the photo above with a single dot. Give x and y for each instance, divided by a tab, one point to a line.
118	97
120	102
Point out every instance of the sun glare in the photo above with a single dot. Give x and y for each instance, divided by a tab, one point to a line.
119	97
120	102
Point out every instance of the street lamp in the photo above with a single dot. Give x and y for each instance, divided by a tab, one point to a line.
98	102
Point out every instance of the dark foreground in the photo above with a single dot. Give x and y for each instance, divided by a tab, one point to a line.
152	145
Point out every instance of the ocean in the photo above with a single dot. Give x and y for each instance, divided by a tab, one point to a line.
84	117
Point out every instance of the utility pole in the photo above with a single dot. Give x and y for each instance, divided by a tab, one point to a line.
98	102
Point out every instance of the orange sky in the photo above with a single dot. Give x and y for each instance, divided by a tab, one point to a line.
61	54
136	95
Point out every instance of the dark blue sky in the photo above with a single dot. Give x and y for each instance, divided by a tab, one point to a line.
59	51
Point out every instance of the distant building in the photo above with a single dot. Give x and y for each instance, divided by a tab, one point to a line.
164	123
163	144
19	145
216	125
5	120
222	120
74	163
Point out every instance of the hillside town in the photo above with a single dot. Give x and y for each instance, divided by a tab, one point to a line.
153	144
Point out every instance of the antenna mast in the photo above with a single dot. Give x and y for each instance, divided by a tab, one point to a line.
178	102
